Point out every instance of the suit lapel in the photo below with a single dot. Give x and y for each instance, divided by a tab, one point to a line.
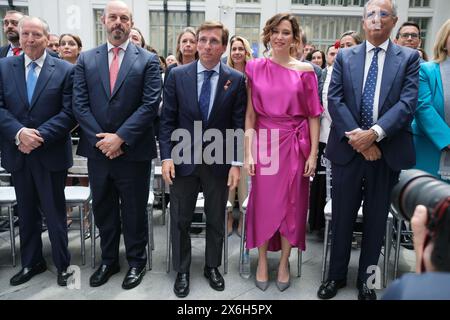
46	72
357	63
437	75
390	69
19	78
191	90
224	75
101	59
129	58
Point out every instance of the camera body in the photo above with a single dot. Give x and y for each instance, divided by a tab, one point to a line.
418	187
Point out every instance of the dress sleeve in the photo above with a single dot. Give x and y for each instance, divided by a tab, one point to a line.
312	100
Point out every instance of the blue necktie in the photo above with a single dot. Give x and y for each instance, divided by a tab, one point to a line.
369	93
31	80
205	94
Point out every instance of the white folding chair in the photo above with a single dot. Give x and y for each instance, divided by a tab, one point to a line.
244	254
359	219
199	208
80	197
8	200
150	201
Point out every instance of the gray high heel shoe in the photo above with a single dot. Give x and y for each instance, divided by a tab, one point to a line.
284	285
263	285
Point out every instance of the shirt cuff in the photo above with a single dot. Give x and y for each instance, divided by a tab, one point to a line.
17	140
165	160
379	131
236	164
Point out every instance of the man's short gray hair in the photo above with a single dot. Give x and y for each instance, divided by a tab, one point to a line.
44	24
393	6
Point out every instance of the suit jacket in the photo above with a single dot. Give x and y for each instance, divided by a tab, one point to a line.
129	111
425	286
4	51
397	102
181	109
50	112
431	132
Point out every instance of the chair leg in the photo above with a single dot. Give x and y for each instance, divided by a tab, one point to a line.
397	247
299	262
83	247
163	202
387	251
93	238
150	236
12	235
168	241
244	254
325	248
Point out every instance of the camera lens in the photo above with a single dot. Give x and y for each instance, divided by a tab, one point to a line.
418	187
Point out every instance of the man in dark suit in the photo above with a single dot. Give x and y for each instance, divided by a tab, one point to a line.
117	89
35	122
11	30
210	95
371	100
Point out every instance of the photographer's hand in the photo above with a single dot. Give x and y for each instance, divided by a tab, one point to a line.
419	228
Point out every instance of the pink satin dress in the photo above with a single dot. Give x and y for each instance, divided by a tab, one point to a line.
283	99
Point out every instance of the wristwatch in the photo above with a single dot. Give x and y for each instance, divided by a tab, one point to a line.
376	133
125	147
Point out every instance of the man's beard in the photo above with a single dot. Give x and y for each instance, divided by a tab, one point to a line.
12	36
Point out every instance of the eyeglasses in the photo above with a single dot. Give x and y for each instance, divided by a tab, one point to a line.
383	14
407	35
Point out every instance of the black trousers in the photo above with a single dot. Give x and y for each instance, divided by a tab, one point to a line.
359	180
318	194
38	189
183	197
119	198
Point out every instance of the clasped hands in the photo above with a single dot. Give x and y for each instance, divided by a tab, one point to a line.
110	144
362	141
30	139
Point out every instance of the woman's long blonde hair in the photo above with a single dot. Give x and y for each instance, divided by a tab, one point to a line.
440	47
248	50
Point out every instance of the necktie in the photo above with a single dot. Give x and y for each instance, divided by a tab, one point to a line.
369	93
205	94
16	51
31	80
114	68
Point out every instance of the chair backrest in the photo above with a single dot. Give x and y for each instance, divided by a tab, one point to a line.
79	168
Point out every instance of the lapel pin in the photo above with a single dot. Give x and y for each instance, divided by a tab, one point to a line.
227	84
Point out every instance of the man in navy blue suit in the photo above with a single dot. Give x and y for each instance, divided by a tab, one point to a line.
117	89
35	123
209	94
371	100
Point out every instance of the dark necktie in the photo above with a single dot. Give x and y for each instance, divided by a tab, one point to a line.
205	94
369	93
16	51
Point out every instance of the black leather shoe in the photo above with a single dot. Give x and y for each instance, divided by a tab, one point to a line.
63	277
181	287
133	278
102	274
27	273
330	288
364	293
215	278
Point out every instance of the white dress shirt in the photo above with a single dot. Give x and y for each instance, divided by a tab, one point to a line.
376	101
124	47
39	64
325	120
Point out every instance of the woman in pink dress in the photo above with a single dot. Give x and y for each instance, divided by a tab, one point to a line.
283	110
